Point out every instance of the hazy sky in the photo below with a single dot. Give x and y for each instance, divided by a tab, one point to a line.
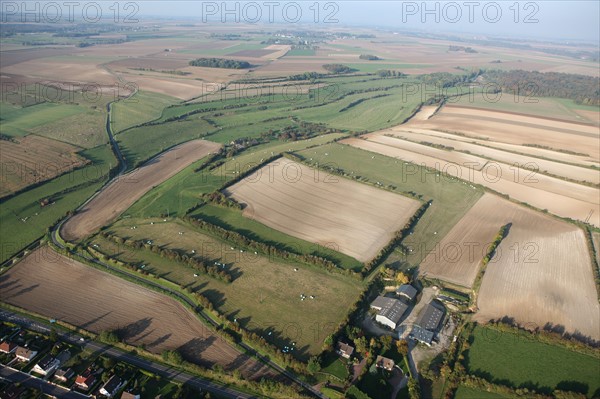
534	19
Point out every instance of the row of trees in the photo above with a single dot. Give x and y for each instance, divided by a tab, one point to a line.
220	63
398	237
270	250
197	263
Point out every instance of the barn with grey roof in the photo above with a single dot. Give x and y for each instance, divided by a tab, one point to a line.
389	311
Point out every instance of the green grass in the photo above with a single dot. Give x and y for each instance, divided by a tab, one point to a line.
17	234
332	393
142	107
451	200
264	296
176	195
371	114
374	66
256	155
545	107
17	121
300	52
142	143
232	219
86	129
334	365
464	392
518	360
183	190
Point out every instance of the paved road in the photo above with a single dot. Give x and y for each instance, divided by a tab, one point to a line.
94	347
33	382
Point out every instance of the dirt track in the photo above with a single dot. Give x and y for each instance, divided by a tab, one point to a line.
350	217
58	287
124	191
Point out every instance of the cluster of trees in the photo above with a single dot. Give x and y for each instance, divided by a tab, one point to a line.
369	57
220	63
303	130
337	68
306	76
218	198
446	79
497	240
462	48
579	88
387	73
198	264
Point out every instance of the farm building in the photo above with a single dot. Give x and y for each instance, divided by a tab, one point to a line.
25	354
344	350
428	323
7	347
389	311
46	365
384	363
431	316
407	291
421	335
111	387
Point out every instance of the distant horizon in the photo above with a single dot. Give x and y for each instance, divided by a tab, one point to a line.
556	20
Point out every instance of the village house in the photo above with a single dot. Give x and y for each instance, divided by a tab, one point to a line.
344	350
46	366
64	374
111	387
7	347
25	354
85	380
384	363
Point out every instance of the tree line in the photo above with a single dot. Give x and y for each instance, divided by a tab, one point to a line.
220	63
197	263
579	88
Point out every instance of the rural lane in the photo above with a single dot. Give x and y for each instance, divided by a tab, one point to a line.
105	350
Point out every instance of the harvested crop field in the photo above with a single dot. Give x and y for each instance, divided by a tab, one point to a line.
518	129
482	149
33	159
458	256
58	287
541	273
354	218
119	195
562	198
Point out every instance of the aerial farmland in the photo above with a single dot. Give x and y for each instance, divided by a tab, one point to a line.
305	209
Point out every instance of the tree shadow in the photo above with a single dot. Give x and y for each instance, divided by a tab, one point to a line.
192	350
134	329
94	320
23	291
